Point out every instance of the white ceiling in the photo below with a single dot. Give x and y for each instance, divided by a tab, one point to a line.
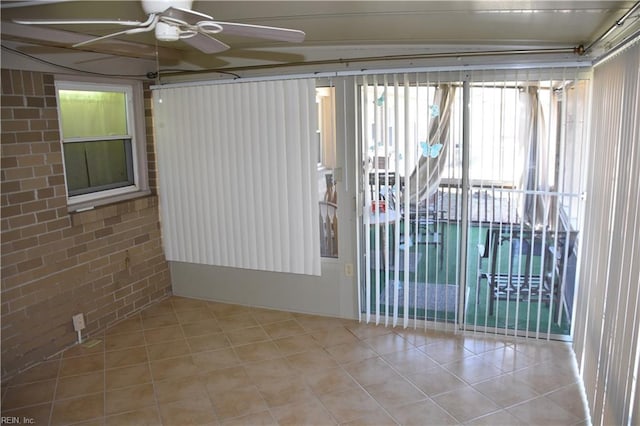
338	33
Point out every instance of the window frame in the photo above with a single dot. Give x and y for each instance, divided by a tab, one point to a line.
136	132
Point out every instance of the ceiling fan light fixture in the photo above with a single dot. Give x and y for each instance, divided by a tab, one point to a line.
166	32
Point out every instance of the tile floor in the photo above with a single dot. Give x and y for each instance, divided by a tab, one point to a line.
191	362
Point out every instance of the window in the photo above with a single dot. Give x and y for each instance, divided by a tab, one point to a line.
102	144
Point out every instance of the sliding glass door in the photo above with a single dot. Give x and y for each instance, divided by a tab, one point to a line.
471	216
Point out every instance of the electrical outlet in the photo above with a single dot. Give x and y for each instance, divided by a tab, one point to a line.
78	322
348	269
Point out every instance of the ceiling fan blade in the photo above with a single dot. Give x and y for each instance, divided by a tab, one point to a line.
77	21
261	31
180	15
205	43
59	38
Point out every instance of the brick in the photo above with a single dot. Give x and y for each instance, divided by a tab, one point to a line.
33	101
15	125
21	197
34	206
35	183
101	233
45	216
17	173
55	180
26	113
15	149
29	264
9	162
31	160
12	101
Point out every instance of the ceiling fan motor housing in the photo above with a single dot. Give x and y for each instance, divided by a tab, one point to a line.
166	32
158	6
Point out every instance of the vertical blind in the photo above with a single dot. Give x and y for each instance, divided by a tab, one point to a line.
236	167
608	319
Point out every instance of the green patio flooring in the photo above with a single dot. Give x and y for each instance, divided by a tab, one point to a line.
431	288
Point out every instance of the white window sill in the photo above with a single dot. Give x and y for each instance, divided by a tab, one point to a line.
80	205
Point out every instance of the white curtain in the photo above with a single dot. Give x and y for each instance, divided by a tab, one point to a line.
607	334
236	166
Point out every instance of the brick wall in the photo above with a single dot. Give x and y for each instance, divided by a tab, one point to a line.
106	263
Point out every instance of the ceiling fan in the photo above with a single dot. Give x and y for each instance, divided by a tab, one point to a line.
173	20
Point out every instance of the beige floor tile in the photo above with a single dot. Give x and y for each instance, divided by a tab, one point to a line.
465	404
126	357
377	417
480	345
257	351
114	342
74	386
127	376
227	379
345	353
507	359
237	322
164	307
215	360
173	368
169	349
147	416
44	371
272	369
309	412
244	336
317	322
201	328
195	315
409	361
506	390
129	325
497	419
330	380
396	392
371	371
542	411
545	377
281	329
209	342
160	321
188	412
180	388
187	304
91	346
164	334
240	402
223	310
570	398
287	391
29	394
311	361
446	351
296	344
473	369
436	381
263	418
82	365
349	405
333	336
129	399
266	316
76	410
367	331
388	343
420	413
